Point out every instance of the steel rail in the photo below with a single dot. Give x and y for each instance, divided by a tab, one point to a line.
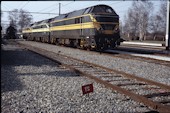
123	73
139	98
139	58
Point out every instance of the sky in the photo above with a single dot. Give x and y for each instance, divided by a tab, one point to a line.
120	6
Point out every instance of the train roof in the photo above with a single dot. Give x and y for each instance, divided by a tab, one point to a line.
42	22
97	9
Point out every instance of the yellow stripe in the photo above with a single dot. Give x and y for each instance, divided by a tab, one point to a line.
41	30
73	26
93	19
73	18
26	31
40	24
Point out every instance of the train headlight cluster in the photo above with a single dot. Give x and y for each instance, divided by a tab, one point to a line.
116	29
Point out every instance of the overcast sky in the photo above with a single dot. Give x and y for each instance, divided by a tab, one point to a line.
120	6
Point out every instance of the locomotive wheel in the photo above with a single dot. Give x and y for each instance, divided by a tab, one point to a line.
57	41
71	43
89	48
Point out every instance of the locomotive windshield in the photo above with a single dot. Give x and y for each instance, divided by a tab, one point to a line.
107	19
103	9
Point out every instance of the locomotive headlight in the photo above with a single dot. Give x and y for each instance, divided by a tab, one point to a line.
116	29
99	28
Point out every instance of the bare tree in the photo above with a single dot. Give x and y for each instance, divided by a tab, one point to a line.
24	19
144	9
157	22
2	25
131	23
19	18
162	12
13	17
138	18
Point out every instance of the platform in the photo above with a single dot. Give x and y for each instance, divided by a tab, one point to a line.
146	43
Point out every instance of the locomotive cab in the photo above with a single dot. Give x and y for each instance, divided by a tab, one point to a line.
107	27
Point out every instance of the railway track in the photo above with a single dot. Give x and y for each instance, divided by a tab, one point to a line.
127	56
153	94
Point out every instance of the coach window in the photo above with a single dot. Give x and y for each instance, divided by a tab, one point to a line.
71	21
87	19
77	20
87	11
54	24
67	22
35	27
38	27
44	26
63	23
109	10
58	23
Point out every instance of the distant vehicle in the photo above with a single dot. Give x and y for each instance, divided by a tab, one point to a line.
11	33
95	27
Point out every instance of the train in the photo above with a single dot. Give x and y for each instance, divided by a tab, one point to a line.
92	28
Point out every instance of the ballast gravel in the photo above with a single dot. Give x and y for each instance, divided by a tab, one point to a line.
31	83
152	71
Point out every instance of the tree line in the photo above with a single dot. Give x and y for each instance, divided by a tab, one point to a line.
18	19
142	24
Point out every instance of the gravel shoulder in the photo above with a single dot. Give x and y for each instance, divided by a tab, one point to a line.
31	83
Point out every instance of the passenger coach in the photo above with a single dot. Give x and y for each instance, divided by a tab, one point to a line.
95	27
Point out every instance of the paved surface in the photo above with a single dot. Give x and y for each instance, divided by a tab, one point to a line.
158	57
143	43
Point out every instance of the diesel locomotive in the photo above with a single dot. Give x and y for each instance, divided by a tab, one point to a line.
95	27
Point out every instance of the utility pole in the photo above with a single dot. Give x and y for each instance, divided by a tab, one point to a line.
167	43
59	8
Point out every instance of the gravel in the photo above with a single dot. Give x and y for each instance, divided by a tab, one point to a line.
152	71
31	83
